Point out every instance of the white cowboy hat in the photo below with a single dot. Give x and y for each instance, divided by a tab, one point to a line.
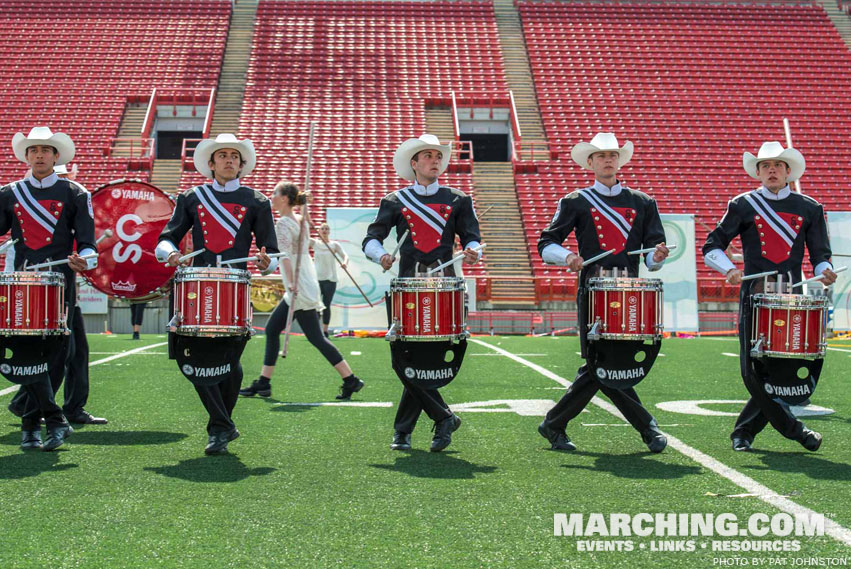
205	149
602	142
775	151
43	136
406	151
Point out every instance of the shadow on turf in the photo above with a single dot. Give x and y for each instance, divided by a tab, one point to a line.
31	463
82	436
222	468
424	464
637	465
801	462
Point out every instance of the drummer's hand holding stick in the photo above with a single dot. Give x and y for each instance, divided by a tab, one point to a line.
387	261
829	277
734	276
263	260
661	252
574	262
471	255
77	263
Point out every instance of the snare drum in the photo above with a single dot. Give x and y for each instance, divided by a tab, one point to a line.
32	304
623	308
212	302
428	309
789	326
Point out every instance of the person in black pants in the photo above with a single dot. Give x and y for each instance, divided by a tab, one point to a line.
307	301
46	215
224	217
326	269
434	214
604	216
775	224
137	313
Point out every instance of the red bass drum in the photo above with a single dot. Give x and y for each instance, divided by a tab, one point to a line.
136	212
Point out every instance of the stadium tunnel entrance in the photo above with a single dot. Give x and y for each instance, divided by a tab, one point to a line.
173	124
489	131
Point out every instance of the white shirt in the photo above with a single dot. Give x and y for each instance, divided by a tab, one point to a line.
326	266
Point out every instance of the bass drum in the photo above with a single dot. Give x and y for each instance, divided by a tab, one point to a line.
136	212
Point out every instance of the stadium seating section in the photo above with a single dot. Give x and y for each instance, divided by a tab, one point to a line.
693	85
74	64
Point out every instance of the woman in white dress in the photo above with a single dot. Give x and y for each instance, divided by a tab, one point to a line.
307	300
326	269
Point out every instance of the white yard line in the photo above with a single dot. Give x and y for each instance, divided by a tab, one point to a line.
14	388
839	350
767	495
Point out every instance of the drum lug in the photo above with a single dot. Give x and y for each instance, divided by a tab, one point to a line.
391	335
174	322
594	332
757	350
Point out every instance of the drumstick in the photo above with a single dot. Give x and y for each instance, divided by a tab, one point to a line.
107	233
7	244
188	256
455	258
254	258
61	262
398	246
298	247
342	266
649	250
597	258
818	278
759	275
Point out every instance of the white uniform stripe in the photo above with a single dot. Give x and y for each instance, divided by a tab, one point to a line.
773	214
423	209
35	210
769	220
617	219
426	220
214	212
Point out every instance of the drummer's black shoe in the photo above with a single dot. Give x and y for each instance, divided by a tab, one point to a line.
218	442
350	385
401	441
655	440
742	445
136	336
810	439
443	432
558	439
83	417
259	386
31	439
56	437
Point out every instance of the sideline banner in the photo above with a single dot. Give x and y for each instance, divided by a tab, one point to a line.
678	274
839	229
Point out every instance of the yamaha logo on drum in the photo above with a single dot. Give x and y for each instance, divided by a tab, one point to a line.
410	373
208	304
601	373
769	389
5	369
116	193
188	369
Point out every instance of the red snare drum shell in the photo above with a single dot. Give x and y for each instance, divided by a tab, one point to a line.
424	313
791	331
213	302
136	212
626	308
32	304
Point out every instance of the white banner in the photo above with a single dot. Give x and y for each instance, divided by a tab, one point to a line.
839	227
678	274
91	300
349	310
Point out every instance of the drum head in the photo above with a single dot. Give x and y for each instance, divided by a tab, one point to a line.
136	212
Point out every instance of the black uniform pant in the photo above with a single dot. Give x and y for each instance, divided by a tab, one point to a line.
585	386
309	322
219	401
327	290
77	367
56	364
137	313
414	400
760	409
40	403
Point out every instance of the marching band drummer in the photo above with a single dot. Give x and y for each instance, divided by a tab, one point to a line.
434	214
46	215
607	215
224	216
774	224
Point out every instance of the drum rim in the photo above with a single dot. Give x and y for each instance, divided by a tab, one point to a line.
419	284
792	301
38	276
607	283
220	274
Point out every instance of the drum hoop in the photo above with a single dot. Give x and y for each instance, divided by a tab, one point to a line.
212	331
623	284
429	284
790	301
819	355
32	278
196	274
